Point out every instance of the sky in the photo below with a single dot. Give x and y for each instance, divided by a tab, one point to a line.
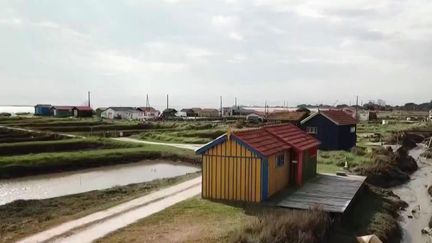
292	52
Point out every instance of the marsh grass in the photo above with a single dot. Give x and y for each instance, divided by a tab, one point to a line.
287	226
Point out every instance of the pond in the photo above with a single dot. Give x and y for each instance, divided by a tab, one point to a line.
67	183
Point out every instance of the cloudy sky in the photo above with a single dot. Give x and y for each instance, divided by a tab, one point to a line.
305	51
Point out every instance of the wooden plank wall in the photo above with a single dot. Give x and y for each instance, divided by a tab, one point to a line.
278	176
231	172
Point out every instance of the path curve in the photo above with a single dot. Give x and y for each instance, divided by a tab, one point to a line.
97	225
177	145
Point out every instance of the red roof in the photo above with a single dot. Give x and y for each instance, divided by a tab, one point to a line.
83	108
262	141
293	135
339	117
269	140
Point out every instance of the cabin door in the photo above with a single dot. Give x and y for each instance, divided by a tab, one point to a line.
293	169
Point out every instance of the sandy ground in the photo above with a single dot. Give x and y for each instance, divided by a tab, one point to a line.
415	194
177	145
99	224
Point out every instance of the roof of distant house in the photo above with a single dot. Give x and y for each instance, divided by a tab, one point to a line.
83	108
209	110
60	107
338	117
43	105
147	109
287	115
122	108
269	140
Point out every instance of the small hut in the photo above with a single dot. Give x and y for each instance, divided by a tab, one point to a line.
61	111
42	110
252	165
82	111
336	129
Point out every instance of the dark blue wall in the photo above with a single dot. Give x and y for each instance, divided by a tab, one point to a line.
347	140
331	136
42	110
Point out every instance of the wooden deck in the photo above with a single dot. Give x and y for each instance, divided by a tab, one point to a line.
330	192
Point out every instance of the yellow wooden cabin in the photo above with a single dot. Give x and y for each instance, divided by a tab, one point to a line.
252	165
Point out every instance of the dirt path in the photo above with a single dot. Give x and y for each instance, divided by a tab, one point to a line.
97	225
177	145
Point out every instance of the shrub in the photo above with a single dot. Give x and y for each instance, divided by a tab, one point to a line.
284	225
359	151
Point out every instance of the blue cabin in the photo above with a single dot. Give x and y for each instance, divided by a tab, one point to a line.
42	110
335	129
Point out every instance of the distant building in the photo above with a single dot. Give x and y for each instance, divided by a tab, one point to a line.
149	112
334	128
181	114
430	115
254	118
82	111
191	112
61	111
169	113
236	111
367	115
42	110
126	113
99	111
211	113
294	117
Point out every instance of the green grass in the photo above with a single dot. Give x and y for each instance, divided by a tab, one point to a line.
328	168
14	136
193	220
12	166
338	158
183	136
96	127
387	131
25	217
22	148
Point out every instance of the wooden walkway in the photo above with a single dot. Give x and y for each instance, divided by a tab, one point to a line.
330	192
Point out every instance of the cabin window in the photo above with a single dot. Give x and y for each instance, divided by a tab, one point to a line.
280	160
312	130
353	129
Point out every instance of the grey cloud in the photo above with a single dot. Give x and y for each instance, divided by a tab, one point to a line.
197	50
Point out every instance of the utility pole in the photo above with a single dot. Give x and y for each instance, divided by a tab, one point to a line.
356	109
221	107
167	101
147	101
88	98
